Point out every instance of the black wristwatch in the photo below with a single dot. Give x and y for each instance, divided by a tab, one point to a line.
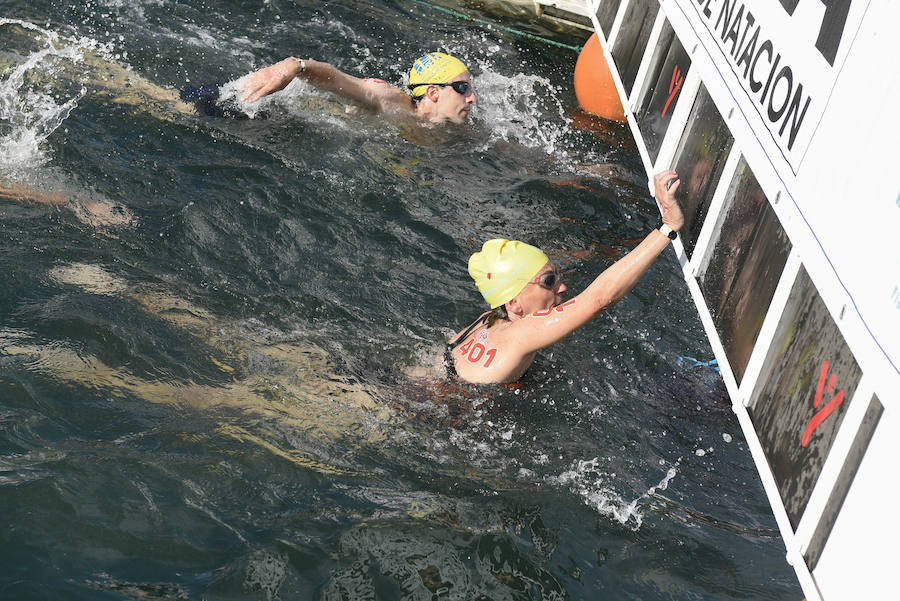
665	229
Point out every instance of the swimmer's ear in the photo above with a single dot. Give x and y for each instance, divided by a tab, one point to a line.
514	308
432	93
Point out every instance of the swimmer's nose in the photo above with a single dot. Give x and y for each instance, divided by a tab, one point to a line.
471	98
562	288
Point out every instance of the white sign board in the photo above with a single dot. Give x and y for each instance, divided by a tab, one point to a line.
783	55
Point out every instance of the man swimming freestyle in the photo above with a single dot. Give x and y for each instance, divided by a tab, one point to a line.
524	292
440	86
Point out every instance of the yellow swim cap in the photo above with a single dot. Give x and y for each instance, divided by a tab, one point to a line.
503	268
434	67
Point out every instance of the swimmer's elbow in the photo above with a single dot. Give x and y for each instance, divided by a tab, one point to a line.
603	300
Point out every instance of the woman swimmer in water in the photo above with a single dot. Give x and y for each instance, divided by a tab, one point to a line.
441	87
525	294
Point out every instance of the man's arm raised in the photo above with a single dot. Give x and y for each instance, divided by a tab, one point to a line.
376	96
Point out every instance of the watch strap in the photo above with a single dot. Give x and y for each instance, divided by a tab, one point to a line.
668	232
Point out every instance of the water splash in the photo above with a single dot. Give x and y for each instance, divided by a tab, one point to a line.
594	486
521	108
30	108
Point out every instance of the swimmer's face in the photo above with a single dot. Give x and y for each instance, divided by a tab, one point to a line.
453	106
544	291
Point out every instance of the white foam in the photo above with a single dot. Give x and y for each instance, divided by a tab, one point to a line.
32	113
594	486
521	108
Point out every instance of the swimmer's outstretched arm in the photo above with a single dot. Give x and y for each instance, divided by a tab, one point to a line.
544	328
376	96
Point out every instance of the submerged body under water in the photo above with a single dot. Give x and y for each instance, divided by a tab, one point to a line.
218	336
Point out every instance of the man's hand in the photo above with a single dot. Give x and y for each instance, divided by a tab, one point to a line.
270	79
665	183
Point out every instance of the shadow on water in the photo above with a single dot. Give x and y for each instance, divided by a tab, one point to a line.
220	338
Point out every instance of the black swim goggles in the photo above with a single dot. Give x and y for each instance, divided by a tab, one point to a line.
460	87
549	280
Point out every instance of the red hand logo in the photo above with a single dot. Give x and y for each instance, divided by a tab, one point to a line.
674	86
829	407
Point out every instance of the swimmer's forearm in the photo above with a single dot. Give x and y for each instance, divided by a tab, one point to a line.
320	74
274	78
617	280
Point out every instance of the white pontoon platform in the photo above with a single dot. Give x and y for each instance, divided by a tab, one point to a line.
780	118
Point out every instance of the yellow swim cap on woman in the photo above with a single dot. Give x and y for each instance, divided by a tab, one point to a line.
503	268
434	67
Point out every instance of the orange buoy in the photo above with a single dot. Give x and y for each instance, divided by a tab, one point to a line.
594	86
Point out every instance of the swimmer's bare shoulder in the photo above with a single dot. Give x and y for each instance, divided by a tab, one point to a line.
392	100
492	355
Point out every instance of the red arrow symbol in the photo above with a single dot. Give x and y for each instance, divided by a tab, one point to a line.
674	86
829	407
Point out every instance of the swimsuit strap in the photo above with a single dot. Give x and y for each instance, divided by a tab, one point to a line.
449	362
465	334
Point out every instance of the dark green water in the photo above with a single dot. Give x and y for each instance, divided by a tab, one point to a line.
205	339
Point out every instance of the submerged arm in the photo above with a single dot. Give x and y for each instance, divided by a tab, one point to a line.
21	193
